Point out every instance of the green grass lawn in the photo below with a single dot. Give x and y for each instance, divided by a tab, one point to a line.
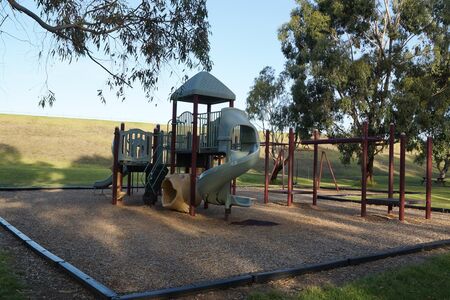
10	286
430	280
43	151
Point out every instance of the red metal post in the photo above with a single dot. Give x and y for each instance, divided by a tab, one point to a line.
173	137
429	175
194	157
391	165
115	165
290	197
129	183
266	168
364	170
401	212
316	150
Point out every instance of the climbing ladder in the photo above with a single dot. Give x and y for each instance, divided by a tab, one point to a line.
155	173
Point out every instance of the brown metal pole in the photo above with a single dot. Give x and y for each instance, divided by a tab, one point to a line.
282	168
231	103
173	137
429	175
319	179
364	170
290	167
115	165
194	157
401	213
129	183
120	173
316	149
391	165
331	171
266	168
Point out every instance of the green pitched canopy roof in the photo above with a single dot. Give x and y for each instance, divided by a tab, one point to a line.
209	89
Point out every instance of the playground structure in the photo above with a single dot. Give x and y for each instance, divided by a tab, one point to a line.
197	143
364	140
194	142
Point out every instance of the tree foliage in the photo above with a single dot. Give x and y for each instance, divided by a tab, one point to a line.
266	103
357	60
266	100
130	40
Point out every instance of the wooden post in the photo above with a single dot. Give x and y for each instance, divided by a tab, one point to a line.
266	168
401	213
429	175
173	139
290	197
364	170
115	165
194	157
391	165
316	149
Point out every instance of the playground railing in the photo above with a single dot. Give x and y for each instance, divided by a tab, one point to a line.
208	124
135	146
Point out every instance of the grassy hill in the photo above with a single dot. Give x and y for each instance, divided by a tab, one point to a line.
44	151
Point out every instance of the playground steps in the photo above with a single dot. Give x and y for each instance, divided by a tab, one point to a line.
153	183
241	201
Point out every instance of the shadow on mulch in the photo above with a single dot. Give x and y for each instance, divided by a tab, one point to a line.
252	222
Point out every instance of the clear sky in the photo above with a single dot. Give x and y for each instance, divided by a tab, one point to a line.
243	41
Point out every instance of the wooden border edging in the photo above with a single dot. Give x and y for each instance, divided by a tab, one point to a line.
93	285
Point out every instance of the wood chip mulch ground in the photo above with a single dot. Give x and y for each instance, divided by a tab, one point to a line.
135	248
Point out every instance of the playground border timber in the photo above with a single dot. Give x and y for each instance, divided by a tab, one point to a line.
103	292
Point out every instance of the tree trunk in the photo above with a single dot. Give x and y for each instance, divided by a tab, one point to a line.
370	161
444	170
278	166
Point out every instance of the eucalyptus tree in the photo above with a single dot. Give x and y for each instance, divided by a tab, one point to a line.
265	103
130	41
349	61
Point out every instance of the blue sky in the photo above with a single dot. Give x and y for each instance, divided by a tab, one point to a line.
243	41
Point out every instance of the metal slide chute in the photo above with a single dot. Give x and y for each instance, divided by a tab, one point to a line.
213	185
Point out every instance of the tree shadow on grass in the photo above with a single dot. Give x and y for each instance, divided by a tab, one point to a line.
15	172
93	160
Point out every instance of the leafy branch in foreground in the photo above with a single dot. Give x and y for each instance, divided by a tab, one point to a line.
130	41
